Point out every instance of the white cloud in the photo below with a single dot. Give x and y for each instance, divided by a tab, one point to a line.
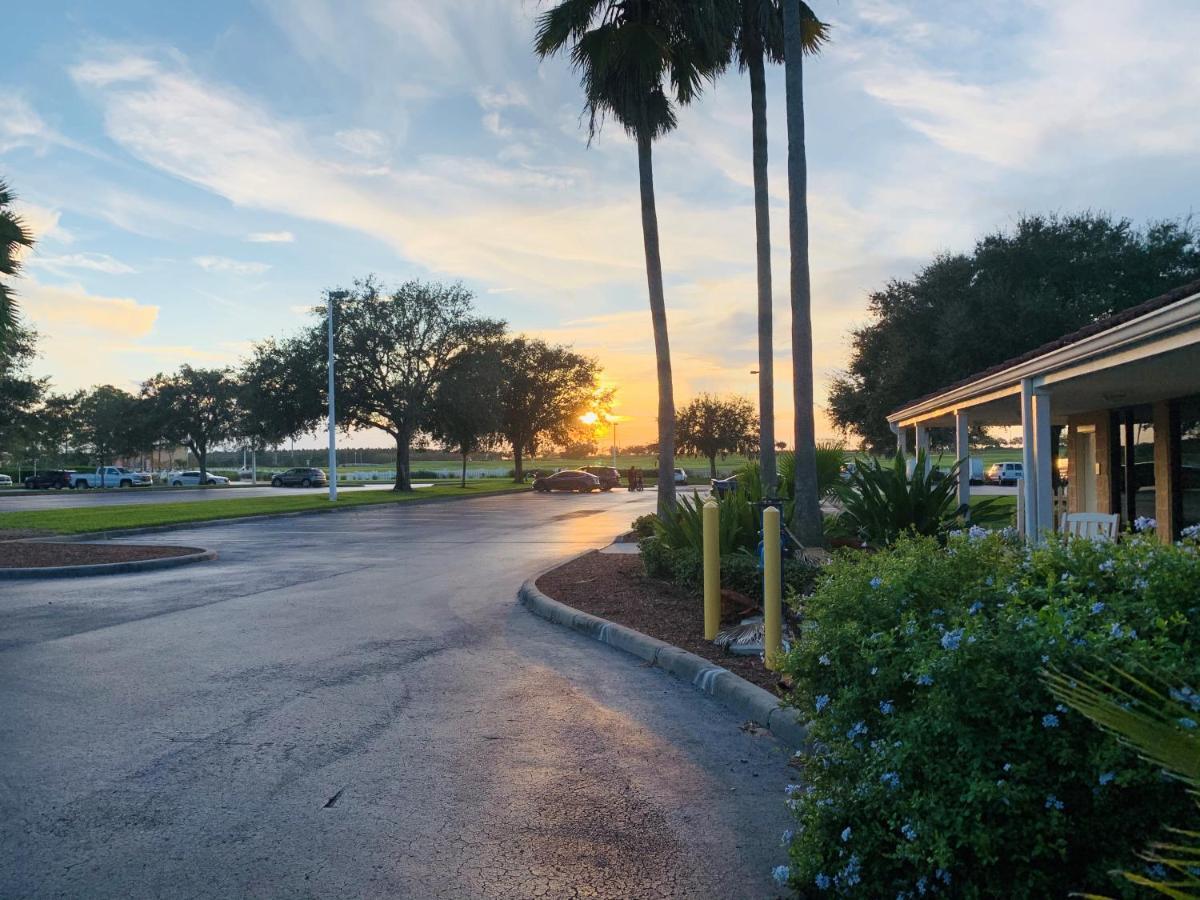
22	126
271	237
365	142
230	266
70	309
95	262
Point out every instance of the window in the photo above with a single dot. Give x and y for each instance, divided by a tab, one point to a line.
1134	465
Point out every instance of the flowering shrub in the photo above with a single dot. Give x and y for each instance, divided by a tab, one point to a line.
941	763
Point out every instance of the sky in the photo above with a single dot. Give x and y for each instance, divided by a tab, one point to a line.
198	174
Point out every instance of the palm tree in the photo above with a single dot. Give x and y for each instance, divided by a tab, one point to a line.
13	236
758	38
637	60
806	514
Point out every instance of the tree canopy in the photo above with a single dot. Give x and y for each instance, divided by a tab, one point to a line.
545	390
392	353
1014	291
196	408
713	426
466	414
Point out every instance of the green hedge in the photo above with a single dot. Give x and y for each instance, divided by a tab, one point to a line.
941	765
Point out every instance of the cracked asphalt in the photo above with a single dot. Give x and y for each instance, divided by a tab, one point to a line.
355	706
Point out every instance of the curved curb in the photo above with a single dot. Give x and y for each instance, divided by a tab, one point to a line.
117	568
732	691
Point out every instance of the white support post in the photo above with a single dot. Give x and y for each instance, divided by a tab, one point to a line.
961	424
1044	461
1029	481
923	445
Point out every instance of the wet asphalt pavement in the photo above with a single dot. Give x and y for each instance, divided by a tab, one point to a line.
354	706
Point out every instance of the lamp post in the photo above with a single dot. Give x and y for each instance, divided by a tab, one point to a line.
614	446
332	415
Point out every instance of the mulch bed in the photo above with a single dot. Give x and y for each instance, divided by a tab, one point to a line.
38	554
17	534
616	587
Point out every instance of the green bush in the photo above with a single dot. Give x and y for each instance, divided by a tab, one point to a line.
941	764
643	526
684	528
882	501
739	571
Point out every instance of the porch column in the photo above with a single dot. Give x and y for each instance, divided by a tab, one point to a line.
961	424
1043	451
923	444
1029	470
1168	480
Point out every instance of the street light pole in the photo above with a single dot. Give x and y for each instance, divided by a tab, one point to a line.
332	415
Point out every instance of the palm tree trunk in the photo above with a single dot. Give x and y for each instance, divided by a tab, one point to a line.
806	515
762	227
658	317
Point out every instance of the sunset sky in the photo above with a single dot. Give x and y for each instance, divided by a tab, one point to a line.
196	174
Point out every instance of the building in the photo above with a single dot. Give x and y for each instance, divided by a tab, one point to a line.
1122	394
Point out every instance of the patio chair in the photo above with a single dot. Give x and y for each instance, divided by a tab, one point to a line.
1089	525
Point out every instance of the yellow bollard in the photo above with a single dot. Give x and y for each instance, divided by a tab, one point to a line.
712	569
772	602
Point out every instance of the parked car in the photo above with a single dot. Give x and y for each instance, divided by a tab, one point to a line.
302	477
51	478
1005	473
723	486
567	480
5	480
111	476
681	477
609	477
192	476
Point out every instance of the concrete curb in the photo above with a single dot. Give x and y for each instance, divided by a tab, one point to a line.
732	691
205	523
118	568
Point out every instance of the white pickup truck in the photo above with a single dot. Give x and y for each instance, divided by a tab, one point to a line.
110	476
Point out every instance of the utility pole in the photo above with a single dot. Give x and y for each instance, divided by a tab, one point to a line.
332	417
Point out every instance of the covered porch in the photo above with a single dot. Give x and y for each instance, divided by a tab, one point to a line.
1120	397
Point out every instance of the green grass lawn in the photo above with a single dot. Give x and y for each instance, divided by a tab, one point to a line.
1001	510
142	515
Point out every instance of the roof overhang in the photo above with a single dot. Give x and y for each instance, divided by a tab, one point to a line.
994	398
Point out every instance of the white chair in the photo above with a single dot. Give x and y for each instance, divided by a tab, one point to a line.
1090	525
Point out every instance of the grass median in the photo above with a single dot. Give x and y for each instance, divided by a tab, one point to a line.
83	520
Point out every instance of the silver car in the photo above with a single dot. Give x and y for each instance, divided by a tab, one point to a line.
179	479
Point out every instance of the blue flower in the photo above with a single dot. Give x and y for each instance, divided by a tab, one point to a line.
823	881
823	659
921	882
851	875
856	729
1186	695
1187	723
1156	871
1049	721
846	832
1107	777
886	707
1008	767
1053	802
890	779
1107	566
786	838
876	581
781	874
874	670
1045	658
822	701
1115	630
925	680
1062	709
792	790
951	639
943	876
1097	608
975	607
908	831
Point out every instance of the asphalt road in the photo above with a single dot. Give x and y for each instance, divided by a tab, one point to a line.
117	497
354	706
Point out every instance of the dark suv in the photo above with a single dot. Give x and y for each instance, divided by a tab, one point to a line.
51	478
609	477
302	477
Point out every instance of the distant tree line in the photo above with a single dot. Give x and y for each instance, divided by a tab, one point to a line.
417	363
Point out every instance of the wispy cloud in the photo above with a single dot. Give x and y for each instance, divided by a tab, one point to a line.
271	237
94	262
231	266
